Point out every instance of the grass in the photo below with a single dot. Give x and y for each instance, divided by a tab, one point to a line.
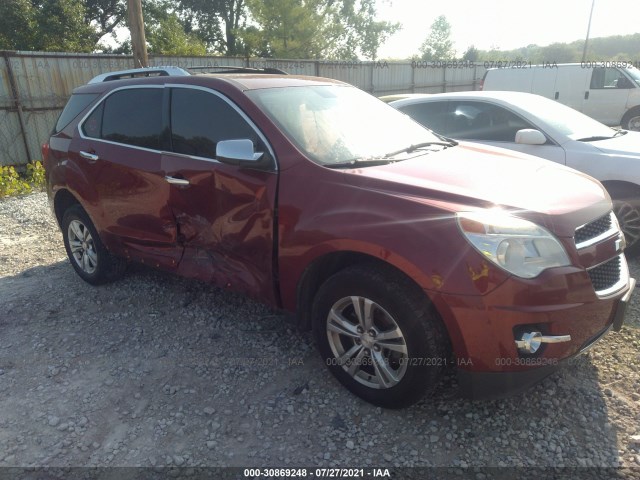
14	183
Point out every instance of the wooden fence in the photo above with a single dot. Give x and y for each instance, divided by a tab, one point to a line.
35	86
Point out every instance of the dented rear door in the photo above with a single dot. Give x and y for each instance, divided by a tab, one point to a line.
115	169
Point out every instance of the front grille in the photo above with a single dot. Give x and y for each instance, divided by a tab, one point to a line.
594	229
607	275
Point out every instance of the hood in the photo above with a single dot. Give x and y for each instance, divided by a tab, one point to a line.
477	176
623	145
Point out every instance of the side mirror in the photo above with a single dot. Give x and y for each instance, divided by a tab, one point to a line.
529	136
237	152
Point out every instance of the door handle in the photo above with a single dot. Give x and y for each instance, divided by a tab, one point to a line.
586	95
557	95
89	156
177	181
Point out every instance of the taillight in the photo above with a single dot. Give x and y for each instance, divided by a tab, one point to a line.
45	152
483	79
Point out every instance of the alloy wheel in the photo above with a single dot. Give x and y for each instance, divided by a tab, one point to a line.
367	342
634	124
82	247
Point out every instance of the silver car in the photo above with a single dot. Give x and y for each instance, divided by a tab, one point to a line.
538	126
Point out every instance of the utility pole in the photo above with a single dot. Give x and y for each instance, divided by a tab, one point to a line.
586	42
136	27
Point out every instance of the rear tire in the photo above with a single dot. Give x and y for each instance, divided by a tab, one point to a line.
379	335
87	254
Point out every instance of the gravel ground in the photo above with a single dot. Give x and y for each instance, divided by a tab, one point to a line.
155	370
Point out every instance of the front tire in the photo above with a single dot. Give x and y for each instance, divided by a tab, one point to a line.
626	206
88	256
379	336
631	120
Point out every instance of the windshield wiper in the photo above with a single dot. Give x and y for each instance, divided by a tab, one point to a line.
363	162
385	159
595	138
413	148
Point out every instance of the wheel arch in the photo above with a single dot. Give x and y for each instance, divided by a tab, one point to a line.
104	266
62	201
633	111
316	274
323	267
626	205
618	186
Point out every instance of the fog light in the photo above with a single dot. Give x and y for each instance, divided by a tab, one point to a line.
530	342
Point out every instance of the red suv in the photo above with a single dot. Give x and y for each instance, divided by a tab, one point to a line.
403	250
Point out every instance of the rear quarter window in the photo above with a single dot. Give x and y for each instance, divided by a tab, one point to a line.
76	104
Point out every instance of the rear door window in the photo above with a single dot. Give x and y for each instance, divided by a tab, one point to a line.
132	117
199	120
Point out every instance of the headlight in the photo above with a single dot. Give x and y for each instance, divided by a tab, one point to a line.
519	246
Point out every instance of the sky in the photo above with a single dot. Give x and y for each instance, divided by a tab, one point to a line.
505	24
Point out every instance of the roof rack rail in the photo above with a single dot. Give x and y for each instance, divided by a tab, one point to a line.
234	69
140	72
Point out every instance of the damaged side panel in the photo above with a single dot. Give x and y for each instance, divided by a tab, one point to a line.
127	198
225	219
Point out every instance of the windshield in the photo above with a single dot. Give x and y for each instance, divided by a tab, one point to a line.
340	124
565	120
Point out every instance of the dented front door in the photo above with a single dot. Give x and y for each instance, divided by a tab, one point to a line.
224	215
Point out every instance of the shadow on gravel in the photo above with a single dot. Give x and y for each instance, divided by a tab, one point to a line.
156	370
562	421
26	280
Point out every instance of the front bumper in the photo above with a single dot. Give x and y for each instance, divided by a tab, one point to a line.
618	319
492	385
483	329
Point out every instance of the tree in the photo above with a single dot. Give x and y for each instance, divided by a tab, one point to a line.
606	48
166	35
471	54
340	29
17	25
215	22
232	13
559	53
362	33
169	38
289	28
438	45
104	16
45	25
